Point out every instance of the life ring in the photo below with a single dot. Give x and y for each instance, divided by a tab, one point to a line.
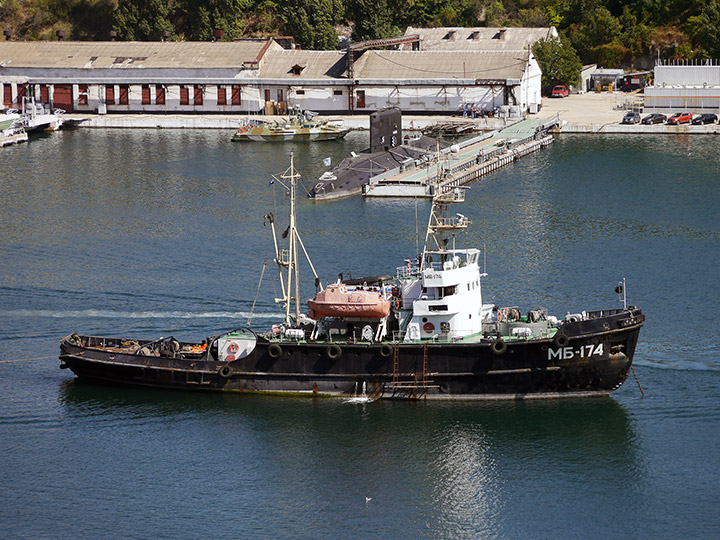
225	371
561	340
499	347
386	350
396	303
334	352
233	347
275	350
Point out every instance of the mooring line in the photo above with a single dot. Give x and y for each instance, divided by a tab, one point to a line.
637	381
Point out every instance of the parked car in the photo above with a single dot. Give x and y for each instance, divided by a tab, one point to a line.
631	118
680	118
706	118
654	118
560	91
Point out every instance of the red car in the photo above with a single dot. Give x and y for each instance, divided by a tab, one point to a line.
680	118
560	91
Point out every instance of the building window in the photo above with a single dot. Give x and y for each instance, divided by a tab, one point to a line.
198	95
82	94
236	94
110	95
222	97
297	69
124	94
280	95
337	92
299	92
160	95
146	94
360	99
184	95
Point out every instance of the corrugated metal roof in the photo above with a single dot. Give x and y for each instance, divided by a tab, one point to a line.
495	65
477	38
130	54
278	64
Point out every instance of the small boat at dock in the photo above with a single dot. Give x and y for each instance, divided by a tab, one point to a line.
300	126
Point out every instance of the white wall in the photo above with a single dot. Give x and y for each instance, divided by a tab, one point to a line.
318	98
530	91
687	75
676	98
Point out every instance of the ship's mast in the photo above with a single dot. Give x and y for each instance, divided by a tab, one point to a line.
440	224
289	258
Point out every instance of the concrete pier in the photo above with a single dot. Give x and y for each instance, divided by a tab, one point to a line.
463	163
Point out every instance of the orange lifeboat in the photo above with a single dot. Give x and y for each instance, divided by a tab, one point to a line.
337	301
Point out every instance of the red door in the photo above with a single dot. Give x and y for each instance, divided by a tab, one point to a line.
62	97
146	94
360	99
124	94
110	95
198	95
21	93
7	95
45	93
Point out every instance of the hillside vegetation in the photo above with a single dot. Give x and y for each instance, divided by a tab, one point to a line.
611	33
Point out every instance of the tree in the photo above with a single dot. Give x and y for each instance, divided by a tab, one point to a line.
311	22
559	63
372	20
708	29
601	27
205	16
143	20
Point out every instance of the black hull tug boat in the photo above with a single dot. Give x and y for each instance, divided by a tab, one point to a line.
422	334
